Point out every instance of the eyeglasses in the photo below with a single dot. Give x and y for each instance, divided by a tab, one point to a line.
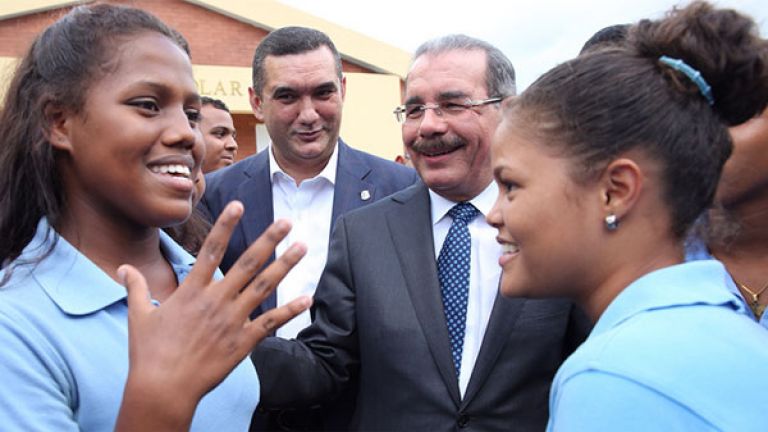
414	112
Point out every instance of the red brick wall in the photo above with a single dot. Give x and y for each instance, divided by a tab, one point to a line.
213	38
245	124
17	33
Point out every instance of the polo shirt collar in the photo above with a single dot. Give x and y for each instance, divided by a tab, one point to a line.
75	283
692	283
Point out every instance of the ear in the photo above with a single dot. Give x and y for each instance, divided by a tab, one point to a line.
255	101
59	122
620	185
343	87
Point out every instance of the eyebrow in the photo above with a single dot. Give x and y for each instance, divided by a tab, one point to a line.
164	91
282	89
330	85
289	89
413	100
442	96
456	94
161	89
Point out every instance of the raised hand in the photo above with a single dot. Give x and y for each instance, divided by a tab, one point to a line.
182	349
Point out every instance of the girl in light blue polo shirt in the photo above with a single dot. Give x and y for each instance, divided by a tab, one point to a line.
602	165
99	148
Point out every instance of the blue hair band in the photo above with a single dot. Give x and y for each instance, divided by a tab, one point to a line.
692	74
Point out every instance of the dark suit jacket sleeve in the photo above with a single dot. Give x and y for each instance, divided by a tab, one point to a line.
207	210
216	195
579	327
324	358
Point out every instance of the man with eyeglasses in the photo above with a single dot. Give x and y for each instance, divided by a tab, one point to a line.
408	307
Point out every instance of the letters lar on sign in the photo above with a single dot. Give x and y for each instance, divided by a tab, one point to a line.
219	88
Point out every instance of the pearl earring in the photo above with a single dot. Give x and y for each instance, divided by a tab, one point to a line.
611	222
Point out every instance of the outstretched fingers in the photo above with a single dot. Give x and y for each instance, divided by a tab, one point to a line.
250	263
265	282
212	251
269	321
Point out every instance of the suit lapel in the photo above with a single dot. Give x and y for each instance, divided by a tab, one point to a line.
500	324
256	195
350	190
411	230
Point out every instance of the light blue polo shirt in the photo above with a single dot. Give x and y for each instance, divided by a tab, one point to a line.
672	352
64	348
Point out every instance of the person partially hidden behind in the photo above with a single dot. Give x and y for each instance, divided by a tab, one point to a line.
219	134
607	37
735	230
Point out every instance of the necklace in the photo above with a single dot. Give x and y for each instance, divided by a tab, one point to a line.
755	305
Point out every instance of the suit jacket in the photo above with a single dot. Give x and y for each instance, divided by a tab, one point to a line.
249	181
378	324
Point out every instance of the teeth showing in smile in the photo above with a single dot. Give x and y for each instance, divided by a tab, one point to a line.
178	170
510	248
439	153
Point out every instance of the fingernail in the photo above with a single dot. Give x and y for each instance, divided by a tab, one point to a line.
298	249
306	302
235	208
283	224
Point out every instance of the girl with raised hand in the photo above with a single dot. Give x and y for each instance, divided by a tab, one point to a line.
99	149
603	164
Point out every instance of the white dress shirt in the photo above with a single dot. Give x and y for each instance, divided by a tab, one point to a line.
484	271
309	207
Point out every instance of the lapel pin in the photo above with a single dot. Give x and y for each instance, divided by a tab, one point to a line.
365	195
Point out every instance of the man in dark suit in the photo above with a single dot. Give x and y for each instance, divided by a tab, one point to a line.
308	174
385	319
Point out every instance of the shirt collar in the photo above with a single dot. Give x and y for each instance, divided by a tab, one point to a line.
696	249
483	202
692	283
328	173
76	284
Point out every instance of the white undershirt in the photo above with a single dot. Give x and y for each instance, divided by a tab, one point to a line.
484	270
309	207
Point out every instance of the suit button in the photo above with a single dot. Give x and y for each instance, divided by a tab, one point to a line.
463	421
